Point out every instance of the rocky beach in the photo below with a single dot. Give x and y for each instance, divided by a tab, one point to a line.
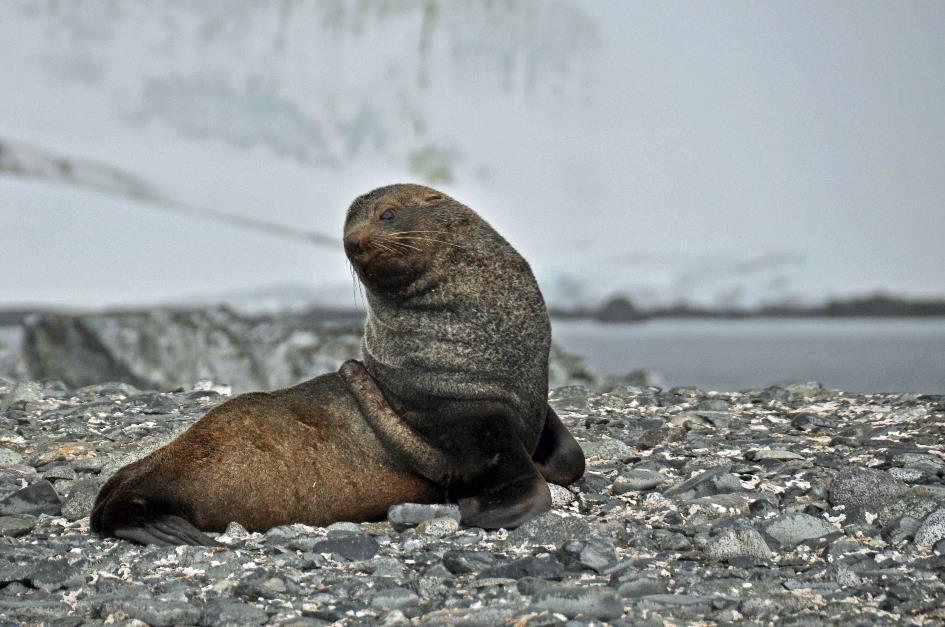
786	505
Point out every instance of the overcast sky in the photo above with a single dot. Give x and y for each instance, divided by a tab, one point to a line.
671	134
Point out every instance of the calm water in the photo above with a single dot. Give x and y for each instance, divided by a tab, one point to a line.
859	355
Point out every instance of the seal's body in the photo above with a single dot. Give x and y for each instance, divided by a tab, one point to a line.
457	338
300	454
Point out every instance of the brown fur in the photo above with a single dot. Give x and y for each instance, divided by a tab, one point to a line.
300	454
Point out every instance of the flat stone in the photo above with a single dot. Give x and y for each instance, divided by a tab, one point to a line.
550	529
61	451
21	393
283	534
469	616
708	483
713	508
81	498
343	527
35	499
592	602
598	554
232	613
638	480
159	613
438	526
59	471
768	454
53	575
656	601
932	529
814	422
541	567
405	515
735	543
865	487
560	496
261	584
640	587
606	448
394	598
9	457
569	398
16	525
356	547
461	562
914	507
793	528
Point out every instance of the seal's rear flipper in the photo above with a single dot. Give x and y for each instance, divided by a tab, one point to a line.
507	505
123	512
558	455
165	531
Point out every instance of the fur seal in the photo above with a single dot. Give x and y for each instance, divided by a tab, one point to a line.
457	339
450	403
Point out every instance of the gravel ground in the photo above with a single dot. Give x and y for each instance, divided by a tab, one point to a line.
788	505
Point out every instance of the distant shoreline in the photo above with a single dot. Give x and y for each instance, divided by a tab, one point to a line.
616	310
621	310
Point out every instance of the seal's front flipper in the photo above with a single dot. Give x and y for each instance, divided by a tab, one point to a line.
558	455
395	434
507	504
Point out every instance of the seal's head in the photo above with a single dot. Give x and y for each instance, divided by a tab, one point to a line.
393	233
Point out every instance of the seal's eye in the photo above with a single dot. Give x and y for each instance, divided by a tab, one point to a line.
388	214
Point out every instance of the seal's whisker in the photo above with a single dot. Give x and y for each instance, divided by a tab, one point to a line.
436	241
396	243
399	243
356	288
383	245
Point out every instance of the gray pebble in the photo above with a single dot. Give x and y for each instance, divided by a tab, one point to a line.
355	547
16	525
736	543
81	498
438	526
932	529
550	529
793	528
599	603
637	481
394	598
598	554
232	613
35	499
405	515
560	497
859	487
9	457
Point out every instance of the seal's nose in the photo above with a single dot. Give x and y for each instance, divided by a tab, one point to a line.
353	245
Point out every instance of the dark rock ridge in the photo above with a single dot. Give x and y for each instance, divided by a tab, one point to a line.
165	349
790	505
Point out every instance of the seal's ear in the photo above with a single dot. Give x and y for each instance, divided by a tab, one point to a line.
432	197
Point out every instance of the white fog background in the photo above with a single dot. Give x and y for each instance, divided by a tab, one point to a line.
723	154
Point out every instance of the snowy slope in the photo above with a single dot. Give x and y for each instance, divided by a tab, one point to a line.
284	111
